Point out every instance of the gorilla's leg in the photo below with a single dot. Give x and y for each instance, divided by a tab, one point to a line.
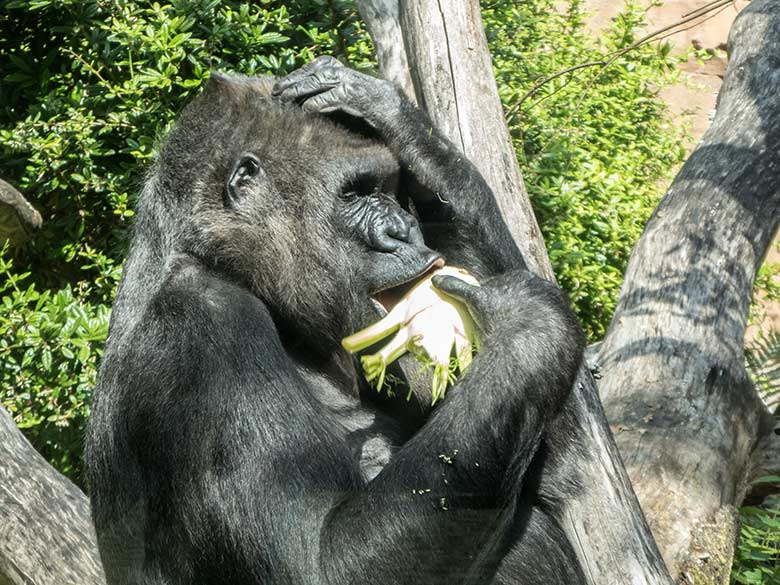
540	555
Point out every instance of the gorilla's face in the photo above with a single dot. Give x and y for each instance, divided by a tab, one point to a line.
304	212
389	251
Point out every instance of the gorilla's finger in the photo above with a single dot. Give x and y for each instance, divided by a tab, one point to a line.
311	85
299	74
327	102
325	61
476	300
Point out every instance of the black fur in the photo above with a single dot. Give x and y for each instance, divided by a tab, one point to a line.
232	440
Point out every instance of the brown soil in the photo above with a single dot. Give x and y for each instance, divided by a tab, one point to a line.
692	101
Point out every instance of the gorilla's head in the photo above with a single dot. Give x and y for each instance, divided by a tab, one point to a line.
296	207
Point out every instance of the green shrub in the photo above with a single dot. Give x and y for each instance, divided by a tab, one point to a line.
89	87
49	349
595	147
757	558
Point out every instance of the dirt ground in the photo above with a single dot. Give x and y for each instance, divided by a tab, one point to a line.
693	99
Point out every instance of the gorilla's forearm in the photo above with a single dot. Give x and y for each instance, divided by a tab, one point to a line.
455	493
458	209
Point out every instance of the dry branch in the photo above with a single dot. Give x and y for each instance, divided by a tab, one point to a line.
46	534
674	384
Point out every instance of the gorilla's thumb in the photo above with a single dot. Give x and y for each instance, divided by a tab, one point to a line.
457	288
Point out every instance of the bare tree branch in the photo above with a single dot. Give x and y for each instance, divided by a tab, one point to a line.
17	217
383	20
674	386
46	533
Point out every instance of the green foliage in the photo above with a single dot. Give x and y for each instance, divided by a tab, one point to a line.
89	87
757	557
49	349
762	358
595	146
766	291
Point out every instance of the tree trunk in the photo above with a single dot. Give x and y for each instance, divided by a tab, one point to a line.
454	81
687	435
685	415
46	534
383	20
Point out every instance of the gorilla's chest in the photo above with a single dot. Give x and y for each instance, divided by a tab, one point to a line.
371	435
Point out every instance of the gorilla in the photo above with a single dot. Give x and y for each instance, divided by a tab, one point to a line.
232	439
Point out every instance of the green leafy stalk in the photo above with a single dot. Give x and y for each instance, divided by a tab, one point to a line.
375	365
429	324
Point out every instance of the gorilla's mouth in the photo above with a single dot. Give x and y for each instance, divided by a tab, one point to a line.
388	298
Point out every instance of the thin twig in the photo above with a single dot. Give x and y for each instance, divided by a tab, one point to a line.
704	10
709	17
548	79
640	42
655	35
86	64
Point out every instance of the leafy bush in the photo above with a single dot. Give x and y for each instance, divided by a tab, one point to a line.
48	356
595	146
757	558
89	87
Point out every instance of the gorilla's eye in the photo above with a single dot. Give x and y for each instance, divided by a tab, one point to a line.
361	186
247	167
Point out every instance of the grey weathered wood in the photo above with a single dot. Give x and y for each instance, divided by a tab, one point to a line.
685	415
605	523
764	462
46	534
17	217
384	24
454	83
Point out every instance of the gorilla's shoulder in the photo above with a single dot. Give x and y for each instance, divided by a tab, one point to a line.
194	299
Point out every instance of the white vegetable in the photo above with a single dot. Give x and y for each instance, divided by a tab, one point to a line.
430	324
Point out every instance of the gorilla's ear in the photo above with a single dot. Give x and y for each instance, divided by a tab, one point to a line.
245	178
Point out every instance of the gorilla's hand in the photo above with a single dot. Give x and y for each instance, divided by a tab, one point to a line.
509	303
483	302
325	85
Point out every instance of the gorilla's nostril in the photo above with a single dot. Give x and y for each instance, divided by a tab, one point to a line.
399	229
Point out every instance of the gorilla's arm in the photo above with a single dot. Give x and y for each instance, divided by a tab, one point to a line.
457	208
461	474
303	509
